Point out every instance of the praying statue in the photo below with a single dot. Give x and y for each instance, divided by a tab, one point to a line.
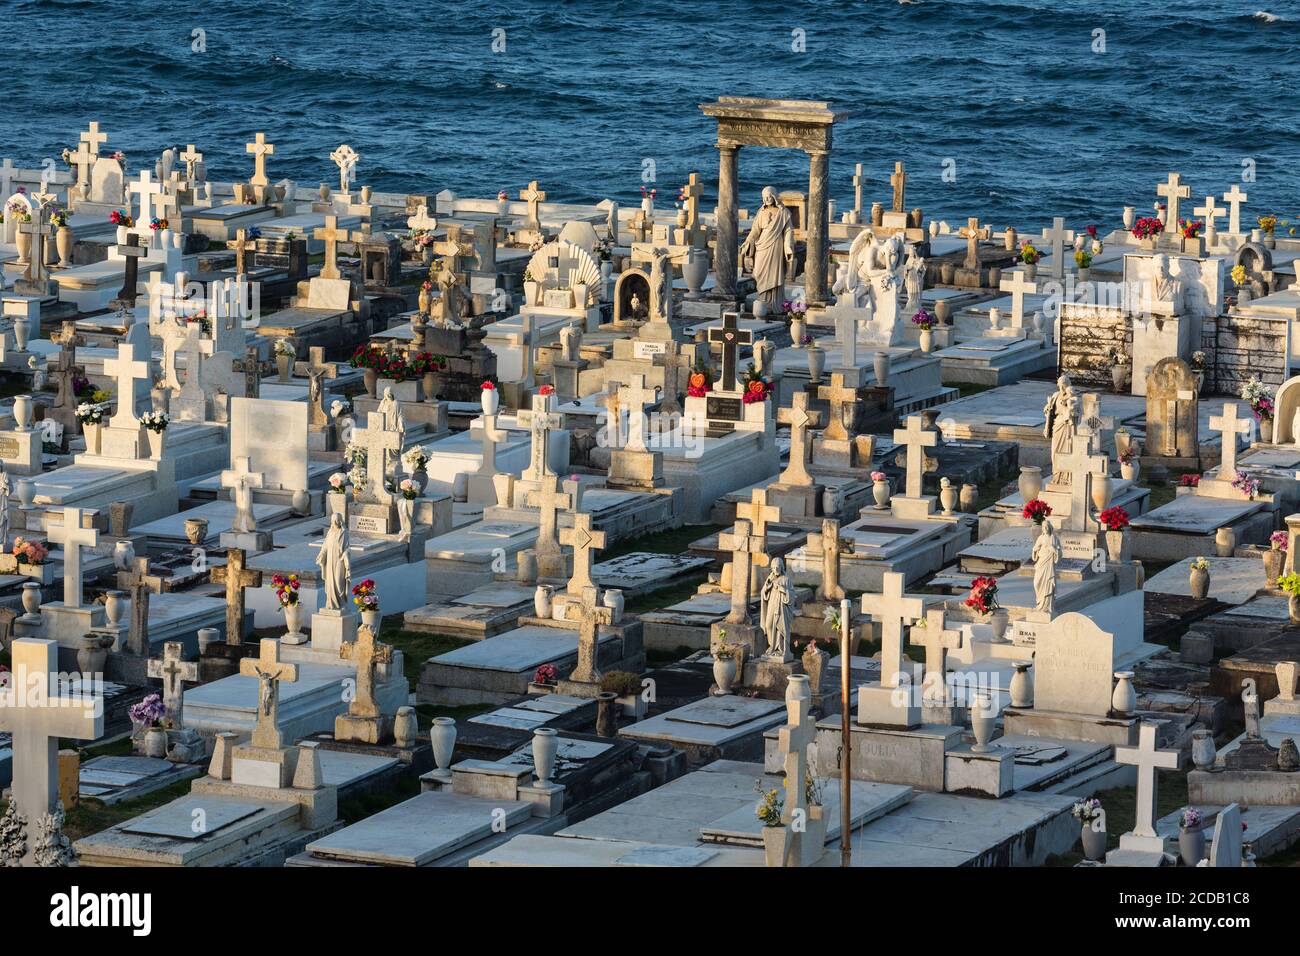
771	244
913	278
335	564
779	604
1045	555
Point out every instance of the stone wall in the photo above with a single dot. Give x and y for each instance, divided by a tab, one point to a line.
1238	347
1088	333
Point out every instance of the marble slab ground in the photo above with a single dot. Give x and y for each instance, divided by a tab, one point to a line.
1232	580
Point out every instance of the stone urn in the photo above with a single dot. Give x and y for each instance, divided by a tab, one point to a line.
301	502
293	624
816	363
927	341
442	734
123	554
797	330
1129	217
983	717
371	619
880	491
26	491
694	271
1203	749
1022	685
1124	698
1030	483
759	308
371	378
207	637
1191	845
490	400
1103	486
1119	377
23	240
405	727
284	365
196	530
1094	841
155	743
724	673
63	241
23	413
1274	561
1225	542
969	496
115	604
880	365
545	744
429	385
1009	239
32	601
942	312
542	601
1198	579
1129	470
92	653
612	598
1117	546
22	332
947	496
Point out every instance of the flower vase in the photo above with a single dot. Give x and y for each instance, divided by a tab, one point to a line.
969	497
880	365
982	720
24	242
155	743
1094	842
531	291
927	341
22	413
405	515
92	654
724	674
92	432
880	491
1266	430
1191	845
1102	488
1118	377
797	328
1128	470
430	386
1130	216
156	441
1274	559
22	332
63	241
775	841
1117	546
1203	749
1022	685
490	400
542	601
336	502
293	624
31	600
442	734
948	498
545	744
406	727
371	620
1225	542
1030	483
1124	698
816	363
1198	580
284	364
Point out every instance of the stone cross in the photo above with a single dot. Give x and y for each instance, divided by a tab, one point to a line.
269	671
251	366
730	337
591	616
64	372
127	369
1019	287
8	173
84	158
421	221
131	250
190	342
937	641
758	513
677	366
1234	197
332	235
1058	236
800	420
72	536
260	149
1211	211
241	480
634	397
173	672
93	138
365	652
346	159
235	576
1148	760
240	245
974	232
378	442
39	229
1174	192
1230	426
583	540
539	420
846	335
534	197
1081	464
317	371
743	547
136	583
146	189
899	181
859	181
841	398
829	589
691	194
549	501
34	711
191	158
168	207
793	740
916	439
891	609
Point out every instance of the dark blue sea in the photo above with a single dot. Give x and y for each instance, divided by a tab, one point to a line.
1019	100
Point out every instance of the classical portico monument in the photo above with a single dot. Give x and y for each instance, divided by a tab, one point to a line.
782	124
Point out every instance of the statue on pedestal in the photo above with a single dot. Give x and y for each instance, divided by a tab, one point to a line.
1046	553
779	604
771	244
335	564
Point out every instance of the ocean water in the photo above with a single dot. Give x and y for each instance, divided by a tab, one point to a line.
1014	100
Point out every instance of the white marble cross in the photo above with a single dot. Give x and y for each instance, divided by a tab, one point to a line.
583	540
331	234
260	149
146	189
1058	236
937	641
127	369
1019	286
191	158
241	480
1174	192
421	220
93	138
173	671
1234	197
634	397
539	420
1148	760
916	439
800	420
534	197
549	501
378	441
1211	211
846	335
891	609
346	159
72	536
1229	426
84	158
1081	464
33	710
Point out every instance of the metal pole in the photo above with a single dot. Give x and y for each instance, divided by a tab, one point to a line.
846	741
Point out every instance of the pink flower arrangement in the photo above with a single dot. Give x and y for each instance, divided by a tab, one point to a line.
546	674
1148	227
1277	540
29	552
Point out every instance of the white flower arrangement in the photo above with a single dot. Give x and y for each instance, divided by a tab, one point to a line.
155	421
89	413
356	454
338	482
284	347
409	488
415	458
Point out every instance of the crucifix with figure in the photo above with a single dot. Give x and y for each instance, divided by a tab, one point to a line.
35	711
269	671
173	672
236	576
318	370
800	420
730	337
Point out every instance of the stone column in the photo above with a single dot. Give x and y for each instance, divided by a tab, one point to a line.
815	241
724	254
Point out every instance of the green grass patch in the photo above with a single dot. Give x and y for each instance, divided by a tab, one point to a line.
368	804
417	646
676	541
